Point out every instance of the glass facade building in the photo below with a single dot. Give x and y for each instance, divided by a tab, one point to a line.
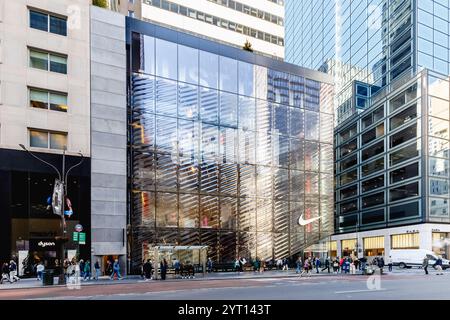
226	148
367	45
392	160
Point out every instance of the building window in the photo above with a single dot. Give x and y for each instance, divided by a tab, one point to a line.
348	148
349	162
372	167
48	23
439	207
403	117
404	210
372	184
349	177
405	241
403	136
372	118
47	139
373	246
404	192
348	133
404	154
48	100
403	98
373	200
375	216
349	207
48	61
372	134
404	173
373	150
349	192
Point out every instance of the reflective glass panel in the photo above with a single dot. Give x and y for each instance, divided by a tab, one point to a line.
166	59
188	64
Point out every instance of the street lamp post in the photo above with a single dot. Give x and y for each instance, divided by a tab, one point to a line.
62	176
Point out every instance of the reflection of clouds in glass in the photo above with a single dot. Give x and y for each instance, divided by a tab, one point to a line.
373	17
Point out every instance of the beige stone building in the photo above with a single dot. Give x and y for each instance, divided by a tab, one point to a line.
45	75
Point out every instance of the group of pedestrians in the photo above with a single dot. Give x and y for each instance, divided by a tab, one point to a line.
437	265
9	272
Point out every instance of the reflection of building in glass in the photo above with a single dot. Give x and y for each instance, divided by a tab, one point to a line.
387	40
392	166
227	148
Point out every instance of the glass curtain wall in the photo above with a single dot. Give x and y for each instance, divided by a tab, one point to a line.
226	154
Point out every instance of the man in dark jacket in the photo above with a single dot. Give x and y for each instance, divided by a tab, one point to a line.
147	268
380	261
327	265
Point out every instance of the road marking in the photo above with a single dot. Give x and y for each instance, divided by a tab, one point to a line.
359	291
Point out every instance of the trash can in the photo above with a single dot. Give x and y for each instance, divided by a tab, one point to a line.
47	277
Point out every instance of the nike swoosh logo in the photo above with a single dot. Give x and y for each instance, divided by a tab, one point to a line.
304	222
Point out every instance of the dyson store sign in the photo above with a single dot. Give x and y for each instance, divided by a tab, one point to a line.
45	244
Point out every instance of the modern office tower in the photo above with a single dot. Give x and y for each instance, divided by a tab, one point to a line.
366	45
392	171
44	105
261	22
228	149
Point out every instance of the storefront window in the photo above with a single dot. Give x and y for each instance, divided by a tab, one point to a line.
405	241
373	246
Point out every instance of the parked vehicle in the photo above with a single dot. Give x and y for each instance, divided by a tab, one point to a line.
409	258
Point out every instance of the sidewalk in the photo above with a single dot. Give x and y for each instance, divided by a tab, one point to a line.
105	280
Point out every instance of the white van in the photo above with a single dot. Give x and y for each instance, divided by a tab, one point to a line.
407	258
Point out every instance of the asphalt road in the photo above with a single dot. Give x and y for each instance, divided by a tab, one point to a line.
397	286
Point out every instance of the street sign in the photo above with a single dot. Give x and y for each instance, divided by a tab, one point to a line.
82	238
75	236
57	201
78	228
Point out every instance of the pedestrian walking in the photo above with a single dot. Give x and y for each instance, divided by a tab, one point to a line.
81	264
438	266
39	270
97	270
256	265
380	262
425	264
262	266
389	263
5	273
210	265
307	267
147	268
318	263
116	270
335	265
327	265
346	266
87	271
163	267
298	265
13	271
177	268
